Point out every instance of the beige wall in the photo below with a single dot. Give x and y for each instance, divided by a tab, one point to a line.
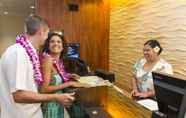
132	22
10	26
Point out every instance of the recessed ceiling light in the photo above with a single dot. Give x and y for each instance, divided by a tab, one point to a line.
5	12
32	7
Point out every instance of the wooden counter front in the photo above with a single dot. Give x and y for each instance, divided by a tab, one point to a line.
116	104
120	106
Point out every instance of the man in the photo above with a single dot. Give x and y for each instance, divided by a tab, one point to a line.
20	75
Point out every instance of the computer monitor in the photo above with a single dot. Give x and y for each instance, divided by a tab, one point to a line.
73	50
182	112
169	91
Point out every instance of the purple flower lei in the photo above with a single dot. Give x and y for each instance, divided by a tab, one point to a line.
34	58
60	67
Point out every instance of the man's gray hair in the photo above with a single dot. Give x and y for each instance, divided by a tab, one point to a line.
33	23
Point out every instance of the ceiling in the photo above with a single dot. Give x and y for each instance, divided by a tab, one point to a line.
16	7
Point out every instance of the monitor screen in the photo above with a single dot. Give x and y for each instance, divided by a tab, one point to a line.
73	50
169	92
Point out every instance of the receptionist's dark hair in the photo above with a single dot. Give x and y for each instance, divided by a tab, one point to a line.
154	44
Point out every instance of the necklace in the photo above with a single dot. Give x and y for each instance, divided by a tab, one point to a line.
61	70
33	56
59	65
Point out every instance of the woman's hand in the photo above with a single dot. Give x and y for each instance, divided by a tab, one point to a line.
76	84
75	76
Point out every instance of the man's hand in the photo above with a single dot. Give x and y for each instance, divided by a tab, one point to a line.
22	96
65	99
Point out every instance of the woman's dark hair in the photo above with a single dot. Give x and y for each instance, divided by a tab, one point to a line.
153	44
46	45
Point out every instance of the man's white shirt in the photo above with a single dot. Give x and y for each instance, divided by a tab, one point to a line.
16	73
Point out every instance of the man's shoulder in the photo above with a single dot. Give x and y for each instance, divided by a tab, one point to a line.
13	50
15	46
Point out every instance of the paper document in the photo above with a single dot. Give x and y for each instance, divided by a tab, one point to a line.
93	81
149	104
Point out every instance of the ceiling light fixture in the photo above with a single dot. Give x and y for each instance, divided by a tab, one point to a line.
5	12
32	7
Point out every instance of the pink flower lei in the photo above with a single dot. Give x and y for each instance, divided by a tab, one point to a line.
58	64
61	70
33	56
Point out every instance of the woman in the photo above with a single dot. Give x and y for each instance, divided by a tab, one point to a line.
55	77
143	81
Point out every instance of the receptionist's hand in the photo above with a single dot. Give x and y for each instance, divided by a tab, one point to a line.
134	92
141	95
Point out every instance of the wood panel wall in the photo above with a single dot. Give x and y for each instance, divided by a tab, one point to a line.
88	26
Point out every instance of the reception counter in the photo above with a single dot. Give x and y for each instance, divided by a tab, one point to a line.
115	104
